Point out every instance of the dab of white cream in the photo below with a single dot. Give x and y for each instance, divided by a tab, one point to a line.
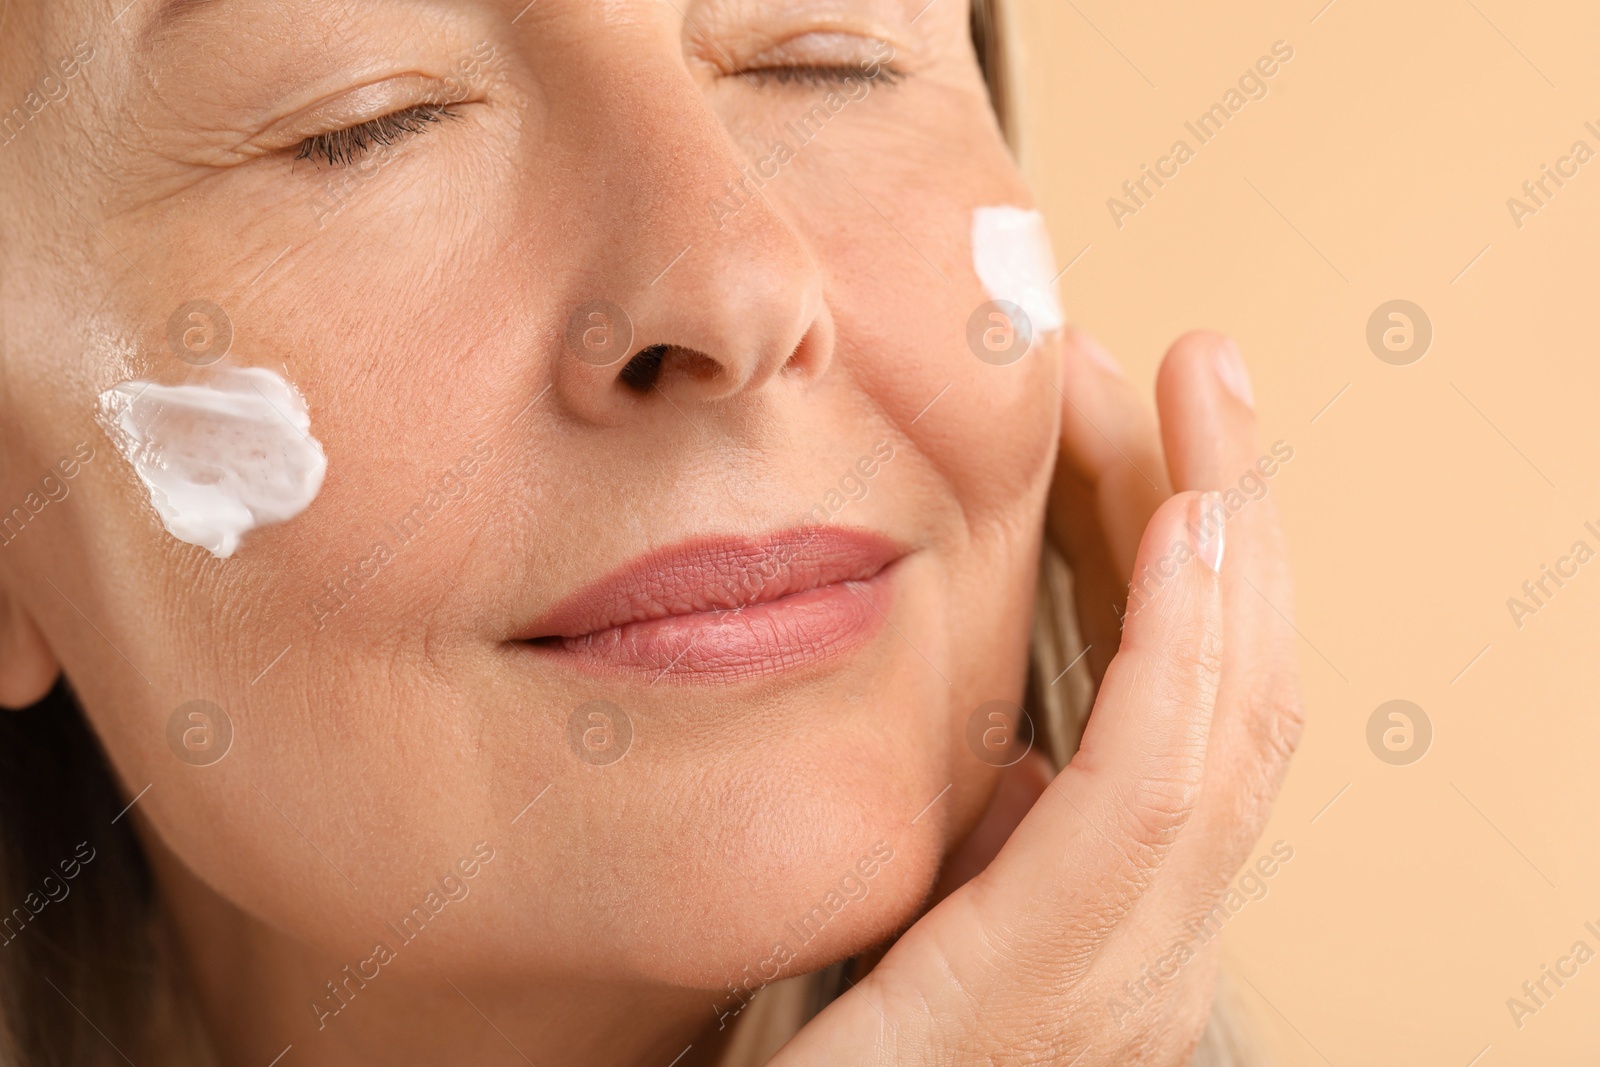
1012	257
220	455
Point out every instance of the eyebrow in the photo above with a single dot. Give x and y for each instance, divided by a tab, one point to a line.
167	15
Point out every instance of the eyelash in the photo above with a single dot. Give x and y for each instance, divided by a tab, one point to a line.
343	147
818	74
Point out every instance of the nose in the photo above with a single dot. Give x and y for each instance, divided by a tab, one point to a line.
693	284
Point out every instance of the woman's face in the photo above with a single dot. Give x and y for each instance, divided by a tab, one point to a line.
781	194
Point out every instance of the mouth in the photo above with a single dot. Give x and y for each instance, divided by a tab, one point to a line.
721	609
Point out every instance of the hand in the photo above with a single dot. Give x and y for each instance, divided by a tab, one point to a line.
1076	943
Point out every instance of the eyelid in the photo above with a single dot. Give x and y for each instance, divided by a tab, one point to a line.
361	105
811	50
806	33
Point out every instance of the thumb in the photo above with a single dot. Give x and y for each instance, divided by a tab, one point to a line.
1020	786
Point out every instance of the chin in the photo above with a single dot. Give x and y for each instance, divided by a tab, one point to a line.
762	931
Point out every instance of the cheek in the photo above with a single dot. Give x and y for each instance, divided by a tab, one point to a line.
988	430
997	448
297	638
914	312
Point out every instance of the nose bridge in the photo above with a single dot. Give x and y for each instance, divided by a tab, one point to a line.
738	290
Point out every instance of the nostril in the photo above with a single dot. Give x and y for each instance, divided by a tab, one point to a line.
644	369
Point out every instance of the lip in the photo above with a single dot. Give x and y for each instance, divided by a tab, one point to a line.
720	609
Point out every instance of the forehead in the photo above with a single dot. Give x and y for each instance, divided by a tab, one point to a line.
159	17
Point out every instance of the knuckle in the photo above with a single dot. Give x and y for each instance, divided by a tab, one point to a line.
1277	716
1157	808
1208	658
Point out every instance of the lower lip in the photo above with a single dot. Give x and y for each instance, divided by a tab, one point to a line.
773	637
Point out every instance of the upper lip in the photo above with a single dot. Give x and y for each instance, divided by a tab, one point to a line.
713	574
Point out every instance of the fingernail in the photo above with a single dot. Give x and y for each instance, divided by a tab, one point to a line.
1210	523
1099	356
1231	370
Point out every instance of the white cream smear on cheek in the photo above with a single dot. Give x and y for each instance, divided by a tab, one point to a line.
1011	255
220	455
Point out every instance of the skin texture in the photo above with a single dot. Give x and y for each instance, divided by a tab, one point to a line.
1125	851
421	304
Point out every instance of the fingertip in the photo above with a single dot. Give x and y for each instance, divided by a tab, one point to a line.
1191	362
1107	431
1085	347
1180	558
1208	422
1234	374
1169	527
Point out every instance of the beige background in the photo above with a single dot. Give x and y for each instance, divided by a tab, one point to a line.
1378	167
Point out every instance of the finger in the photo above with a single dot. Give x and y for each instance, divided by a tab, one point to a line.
1110	479
1019	789
1028	928
1212	442
1110	450
1095	839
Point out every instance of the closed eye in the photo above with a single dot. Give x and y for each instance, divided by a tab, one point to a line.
342	147
814	74
345	146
